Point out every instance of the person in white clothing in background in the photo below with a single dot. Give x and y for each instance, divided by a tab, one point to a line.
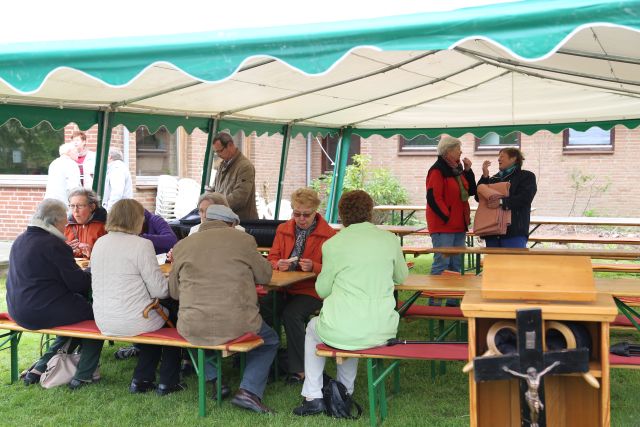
86	159
63	175
117	184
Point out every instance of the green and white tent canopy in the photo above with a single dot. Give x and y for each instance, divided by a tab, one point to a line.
500	67
521	64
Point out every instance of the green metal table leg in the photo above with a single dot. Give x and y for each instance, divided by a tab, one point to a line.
219	377
15	339
381	390
243	363
373	419
202	395
396	378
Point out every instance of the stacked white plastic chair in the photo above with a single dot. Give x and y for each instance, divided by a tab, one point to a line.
166	196
188	194
285	210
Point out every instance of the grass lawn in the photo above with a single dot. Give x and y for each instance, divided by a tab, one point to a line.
423	401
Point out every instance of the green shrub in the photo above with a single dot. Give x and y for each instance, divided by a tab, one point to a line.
382	186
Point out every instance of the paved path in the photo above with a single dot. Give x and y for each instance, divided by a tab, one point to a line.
5	246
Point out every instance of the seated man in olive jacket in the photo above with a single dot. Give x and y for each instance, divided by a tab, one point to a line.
213	276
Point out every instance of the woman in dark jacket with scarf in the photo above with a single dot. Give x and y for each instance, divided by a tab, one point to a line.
46	289
521	193
449	185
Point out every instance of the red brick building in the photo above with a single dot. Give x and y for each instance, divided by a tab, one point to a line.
572	178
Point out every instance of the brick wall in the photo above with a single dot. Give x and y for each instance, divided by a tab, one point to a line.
543	152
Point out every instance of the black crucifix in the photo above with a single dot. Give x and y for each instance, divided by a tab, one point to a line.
530	364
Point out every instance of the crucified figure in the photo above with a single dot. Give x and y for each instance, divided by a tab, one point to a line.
532	377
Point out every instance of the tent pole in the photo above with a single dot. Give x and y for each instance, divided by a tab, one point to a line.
286	141
102	156
208	158
342	157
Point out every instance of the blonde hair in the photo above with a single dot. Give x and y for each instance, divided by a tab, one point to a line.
306	197
126	216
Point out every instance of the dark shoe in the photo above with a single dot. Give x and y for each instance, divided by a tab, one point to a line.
31	377
138	386
310	407
226	391
164	389
127	352
294	379
247	400
76	384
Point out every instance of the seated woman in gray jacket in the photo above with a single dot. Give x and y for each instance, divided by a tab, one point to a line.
126	279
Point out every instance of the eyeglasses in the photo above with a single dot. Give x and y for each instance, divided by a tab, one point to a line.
72	207
304	215
220	150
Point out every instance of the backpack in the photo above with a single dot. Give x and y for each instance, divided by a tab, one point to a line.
337	401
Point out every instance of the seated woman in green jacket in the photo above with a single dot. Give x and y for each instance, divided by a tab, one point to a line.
360	266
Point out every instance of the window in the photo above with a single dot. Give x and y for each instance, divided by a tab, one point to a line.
592	140
421	144
330	147
157	153
28	151
493	142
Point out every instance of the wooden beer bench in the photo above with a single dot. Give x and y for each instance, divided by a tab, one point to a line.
165	337
377	373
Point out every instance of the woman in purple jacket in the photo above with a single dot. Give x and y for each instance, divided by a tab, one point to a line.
156	229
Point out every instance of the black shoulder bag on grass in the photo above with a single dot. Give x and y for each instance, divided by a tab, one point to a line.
338	402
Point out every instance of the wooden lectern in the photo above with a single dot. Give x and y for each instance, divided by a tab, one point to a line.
564	290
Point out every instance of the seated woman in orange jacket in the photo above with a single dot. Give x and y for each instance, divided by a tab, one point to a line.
85	223
298	246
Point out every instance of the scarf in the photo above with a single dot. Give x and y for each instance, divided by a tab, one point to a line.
456	169
506	172
301	240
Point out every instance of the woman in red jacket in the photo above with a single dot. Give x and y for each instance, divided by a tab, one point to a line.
449	185
298	246
85	223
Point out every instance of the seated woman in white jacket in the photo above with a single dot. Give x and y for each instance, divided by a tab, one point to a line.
125	279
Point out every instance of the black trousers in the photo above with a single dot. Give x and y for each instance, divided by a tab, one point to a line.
148	359
295	311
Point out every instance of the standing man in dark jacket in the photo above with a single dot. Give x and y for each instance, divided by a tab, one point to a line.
521	193
46	288
235	178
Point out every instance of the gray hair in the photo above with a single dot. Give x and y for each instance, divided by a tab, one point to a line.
50	212
224	138
92	197
214	198
447	144
66	147
115	154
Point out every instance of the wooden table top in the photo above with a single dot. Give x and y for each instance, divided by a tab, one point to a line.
400	230
583	220
457	250
279	279
626	287
603	309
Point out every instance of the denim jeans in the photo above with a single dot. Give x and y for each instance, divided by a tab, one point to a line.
258	365
442	262
506	242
